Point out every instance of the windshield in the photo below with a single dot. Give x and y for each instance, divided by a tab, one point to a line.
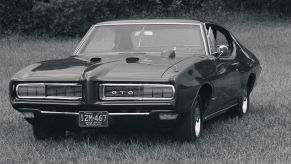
143	38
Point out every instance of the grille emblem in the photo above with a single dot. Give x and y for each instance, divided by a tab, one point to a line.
116	93
137	92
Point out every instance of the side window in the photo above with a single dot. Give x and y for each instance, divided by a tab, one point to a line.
217	37
221	39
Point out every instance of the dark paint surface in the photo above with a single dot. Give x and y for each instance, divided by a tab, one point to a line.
187	72
110	68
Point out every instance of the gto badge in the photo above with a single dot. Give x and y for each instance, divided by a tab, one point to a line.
116	93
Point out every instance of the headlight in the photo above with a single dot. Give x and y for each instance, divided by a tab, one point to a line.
69	91
137	92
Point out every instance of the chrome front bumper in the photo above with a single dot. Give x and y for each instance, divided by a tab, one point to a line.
70	120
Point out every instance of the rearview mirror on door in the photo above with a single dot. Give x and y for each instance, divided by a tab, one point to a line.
222	50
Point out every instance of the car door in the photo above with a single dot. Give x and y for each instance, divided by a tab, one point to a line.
226	82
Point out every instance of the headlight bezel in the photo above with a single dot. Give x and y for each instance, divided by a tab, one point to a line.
45	96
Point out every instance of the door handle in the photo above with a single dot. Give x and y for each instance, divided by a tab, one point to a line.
250	64
236	64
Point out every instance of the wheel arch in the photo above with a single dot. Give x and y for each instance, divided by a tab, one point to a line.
205	91
251	82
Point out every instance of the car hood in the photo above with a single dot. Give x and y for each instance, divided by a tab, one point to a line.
101	67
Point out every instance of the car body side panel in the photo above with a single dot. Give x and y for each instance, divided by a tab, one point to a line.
226	83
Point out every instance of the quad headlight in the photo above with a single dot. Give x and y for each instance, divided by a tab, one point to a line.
137	92
69	91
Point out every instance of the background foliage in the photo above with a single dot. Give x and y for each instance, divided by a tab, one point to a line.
74	17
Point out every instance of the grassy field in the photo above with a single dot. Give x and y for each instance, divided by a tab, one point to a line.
262	136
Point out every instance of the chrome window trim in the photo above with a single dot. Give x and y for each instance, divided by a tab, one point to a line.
48	97
129	23
205	39
102	94
80	45
83	40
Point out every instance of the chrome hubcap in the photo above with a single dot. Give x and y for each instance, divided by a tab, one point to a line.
197	121
245	105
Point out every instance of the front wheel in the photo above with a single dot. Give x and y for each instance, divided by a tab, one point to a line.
244	104
191	124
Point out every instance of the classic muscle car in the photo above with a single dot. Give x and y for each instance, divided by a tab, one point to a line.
163	72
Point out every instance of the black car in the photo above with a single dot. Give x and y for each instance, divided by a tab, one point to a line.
163	72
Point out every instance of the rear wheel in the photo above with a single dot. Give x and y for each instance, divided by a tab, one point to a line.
190	126
42	132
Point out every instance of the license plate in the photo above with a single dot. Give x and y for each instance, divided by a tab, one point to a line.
93	119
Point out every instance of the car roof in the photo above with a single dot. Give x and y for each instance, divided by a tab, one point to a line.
149	21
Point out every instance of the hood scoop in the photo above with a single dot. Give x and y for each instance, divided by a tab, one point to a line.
132	60
95	60
169	53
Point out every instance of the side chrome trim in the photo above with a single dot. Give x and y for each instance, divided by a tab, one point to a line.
102	97
218	112
48	97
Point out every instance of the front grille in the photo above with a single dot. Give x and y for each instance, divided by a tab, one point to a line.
69	91
136	92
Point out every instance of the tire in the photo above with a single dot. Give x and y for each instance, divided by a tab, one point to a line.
191	123
244	104
43	133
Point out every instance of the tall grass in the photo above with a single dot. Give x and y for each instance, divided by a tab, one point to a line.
262	136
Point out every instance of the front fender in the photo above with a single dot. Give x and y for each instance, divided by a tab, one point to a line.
185	97
190	75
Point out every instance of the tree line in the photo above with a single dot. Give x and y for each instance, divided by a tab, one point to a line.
74	17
